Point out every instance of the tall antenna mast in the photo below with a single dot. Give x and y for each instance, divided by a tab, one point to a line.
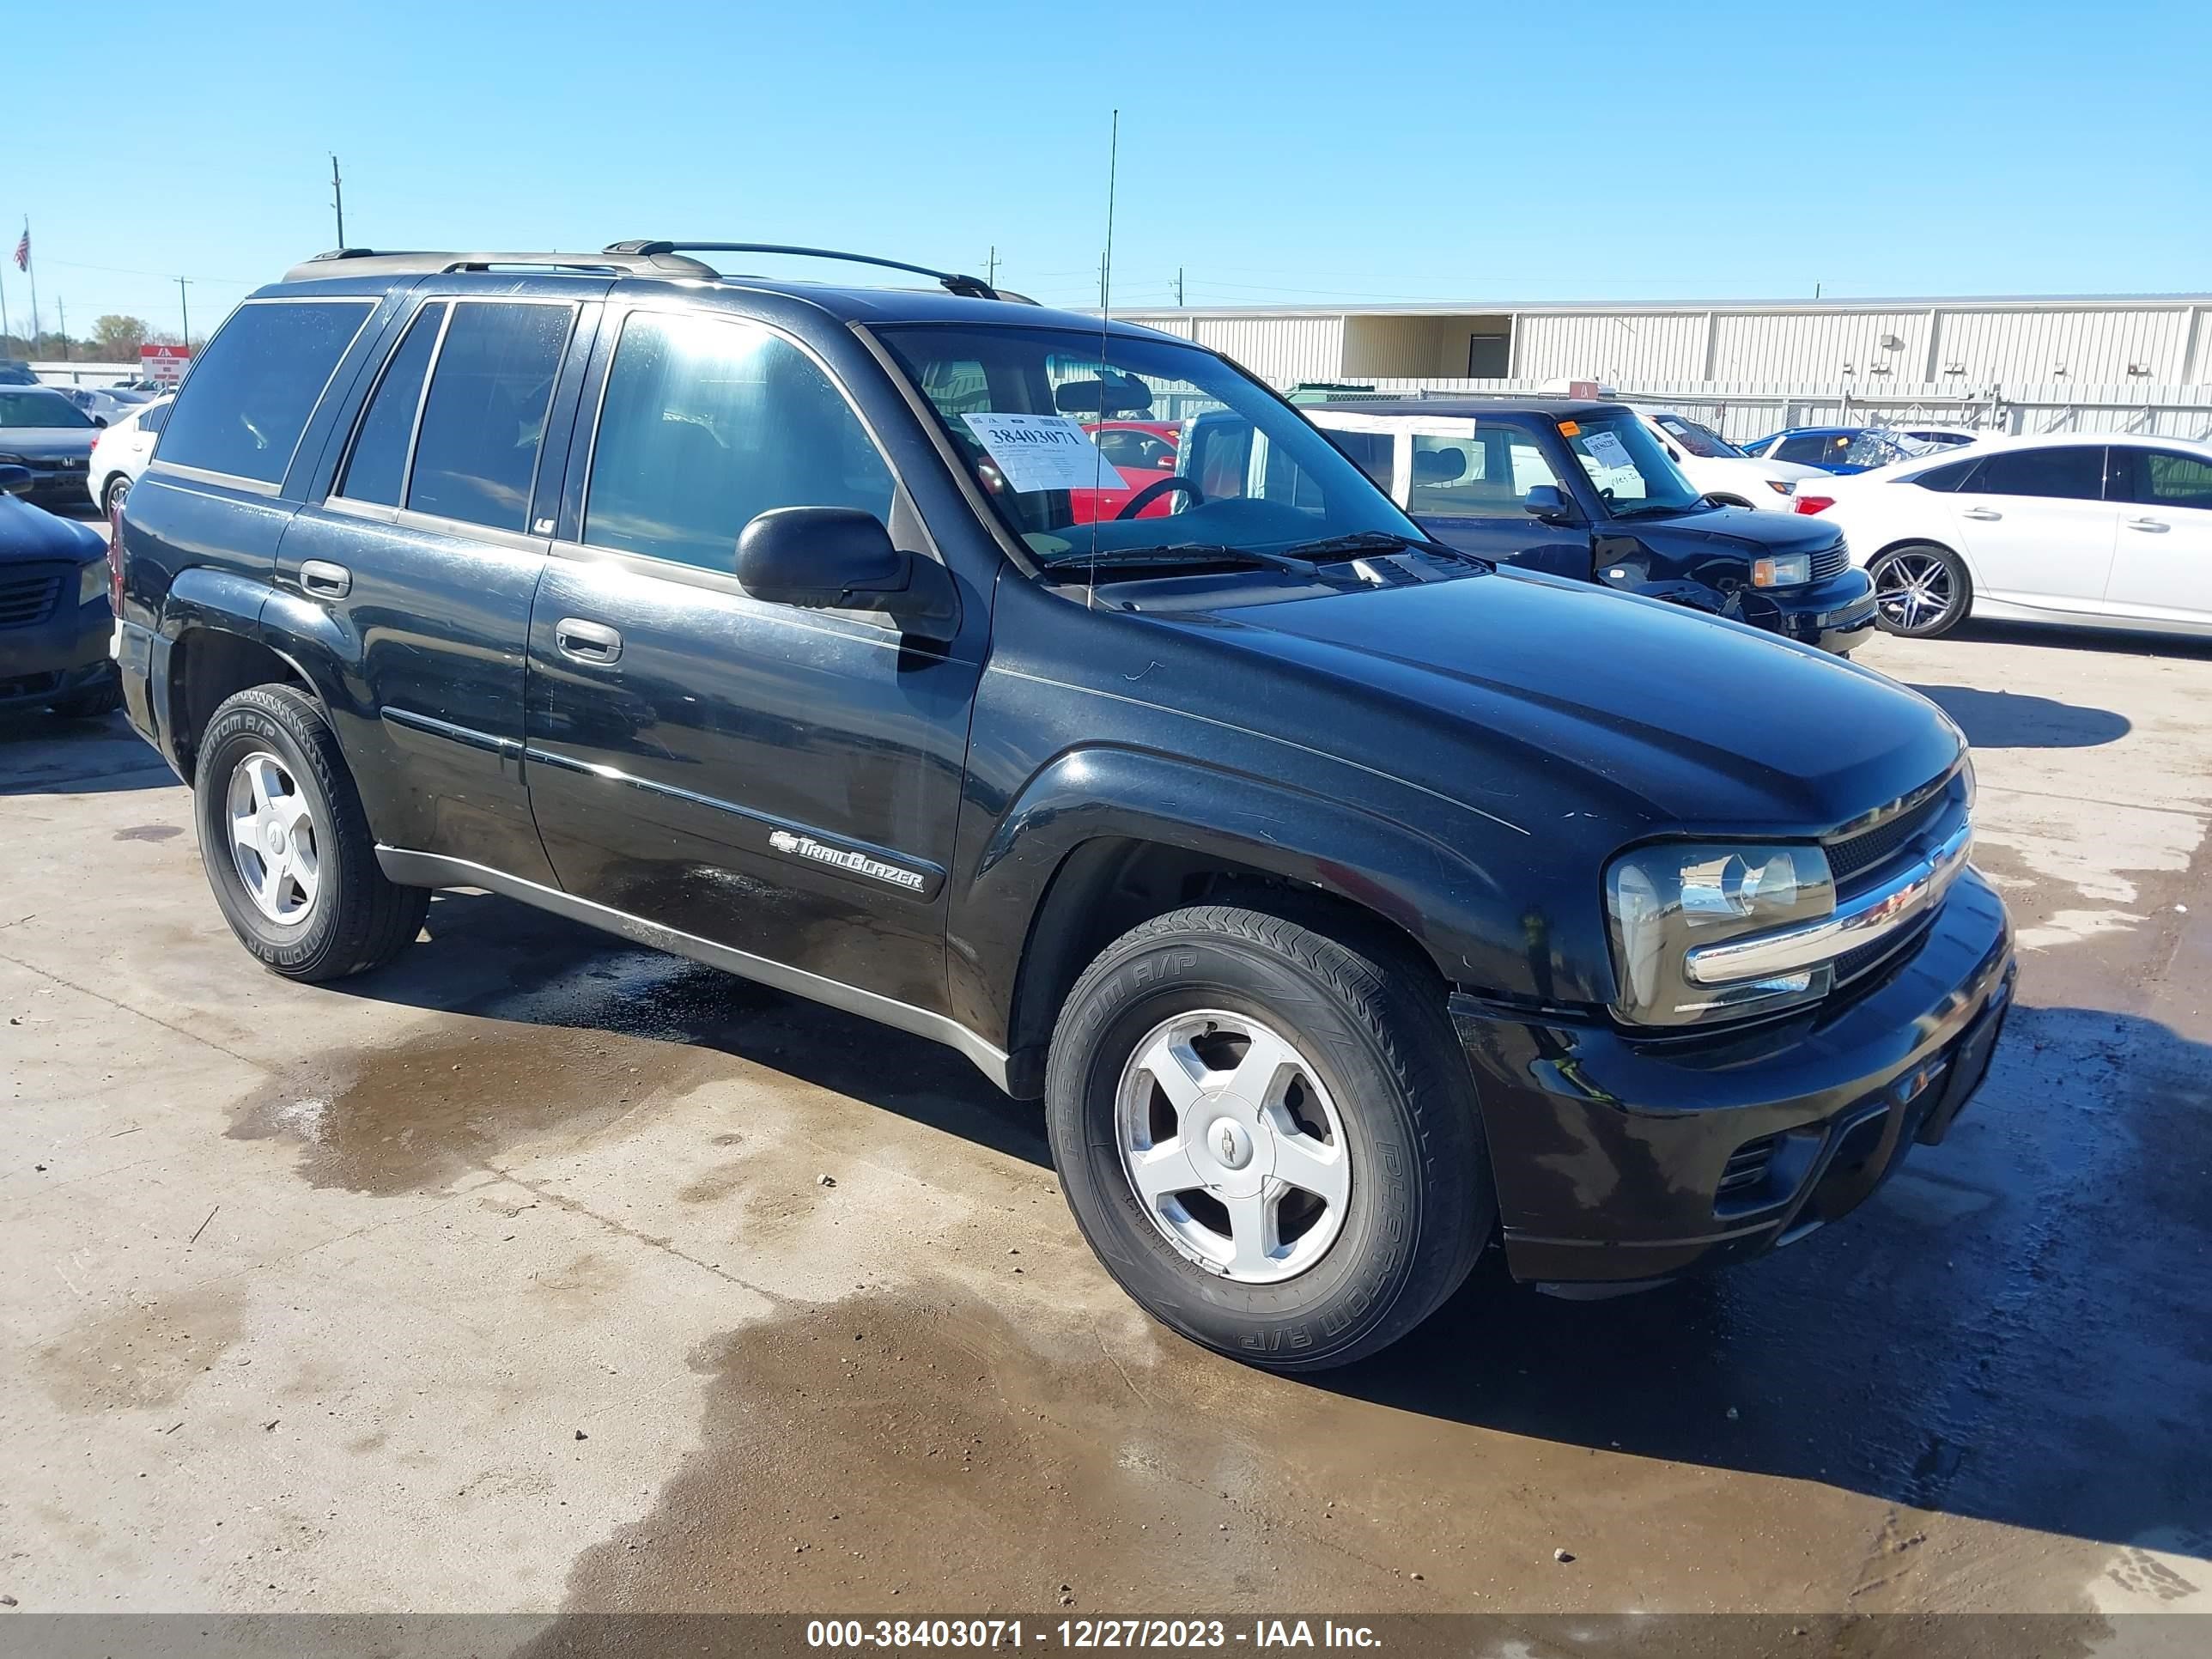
338	199
1105	309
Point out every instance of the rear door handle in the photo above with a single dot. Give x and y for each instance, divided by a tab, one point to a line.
588	641
2144	524
1979	513
324	579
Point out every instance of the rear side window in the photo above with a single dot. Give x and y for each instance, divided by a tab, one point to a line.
483	423
1952	475
1484	477
254	385
2073	472
1371	451
154	419
707	423
378	467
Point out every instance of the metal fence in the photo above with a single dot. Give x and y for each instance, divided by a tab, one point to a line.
1741	411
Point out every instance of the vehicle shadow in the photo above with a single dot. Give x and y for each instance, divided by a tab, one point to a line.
2006	720
2011	1329
492	957
41	754
2114	640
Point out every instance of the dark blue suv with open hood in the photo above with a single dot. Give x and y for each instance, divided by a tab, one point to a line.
1351	902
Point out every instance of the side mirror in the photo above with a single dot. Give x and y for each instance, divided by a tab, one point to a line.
14	480
838	558
1549	503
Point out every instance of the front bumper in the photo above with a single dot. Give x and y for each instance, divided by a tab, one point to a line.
1622	1159
1837	615
65	653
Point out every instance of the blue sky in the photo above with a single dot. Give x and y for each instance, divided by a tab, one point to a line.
1276	153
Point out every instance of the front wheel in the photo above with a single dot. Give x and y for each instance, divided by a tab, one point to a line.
286	845
1269	1135
1920	590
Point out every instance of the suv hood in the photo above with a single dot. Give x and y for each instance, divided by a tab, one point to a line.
1676	722
29	534
1731	530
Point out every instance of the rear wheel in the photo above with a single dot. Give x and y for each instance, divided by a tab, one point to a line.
1269	1135
118	487
1920	590
286	845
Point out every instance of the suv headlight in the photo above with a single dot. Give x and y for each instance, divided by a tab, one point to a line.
1787	570
1666	899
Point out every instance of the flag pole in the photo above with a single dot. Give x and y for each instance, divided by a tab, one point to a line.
31	270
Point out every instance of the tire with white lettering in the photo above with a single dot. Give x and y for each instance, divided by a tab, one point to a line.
1268	1132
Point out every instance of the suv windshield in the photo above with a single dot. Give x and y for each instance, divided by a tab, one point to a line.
40	409
1041	417
1626	464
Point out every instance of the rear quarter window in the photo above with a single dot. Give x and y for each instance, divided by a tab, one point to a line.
249	394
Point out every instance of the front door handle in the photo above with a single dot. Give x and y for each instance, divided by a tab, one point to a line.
324	579
588	641
1979	513
2144	524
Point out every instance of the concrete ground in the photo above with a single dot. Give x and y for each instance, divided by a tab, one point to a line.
508	1278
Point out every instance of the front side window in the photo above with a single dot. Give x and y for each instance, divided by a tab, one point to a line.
253	387
20	410
2070	472
1812	448
483	421
1251	474
1627	467
707	423
1487	476
377	469
2167	477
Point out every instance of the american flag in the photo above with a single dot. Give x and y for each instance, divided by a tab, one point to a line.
23	251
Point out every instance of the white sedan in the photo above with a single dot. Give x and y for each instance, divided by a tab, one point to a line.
1719	470
121	451
2089	530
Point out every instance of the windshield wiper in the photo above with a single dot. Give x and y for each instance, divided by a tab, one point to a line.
1385	541
1188	553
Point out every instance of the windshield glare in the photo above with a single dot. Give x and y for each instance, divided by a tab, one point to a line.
1626	465
1098	445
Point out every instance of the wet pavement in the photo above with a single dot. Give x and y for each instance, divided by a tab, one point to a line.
508	1278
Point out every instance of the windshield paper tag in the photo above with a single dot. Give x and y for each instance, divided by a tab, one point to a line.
1044	452
1607	451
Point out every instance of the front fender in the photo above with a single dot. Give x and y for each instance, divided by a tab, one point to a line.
1457	891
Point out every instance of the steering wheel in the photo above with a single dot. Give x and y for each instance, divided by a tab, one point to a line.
1159	487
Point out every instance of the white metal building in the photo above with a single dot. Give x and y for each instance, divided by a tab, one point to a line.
2094	360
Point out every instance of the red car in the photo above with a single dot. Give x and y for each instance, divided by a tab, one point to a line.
1143	453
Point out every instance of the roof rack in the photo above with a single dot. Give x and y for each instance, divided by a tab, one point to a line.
973	287
377	262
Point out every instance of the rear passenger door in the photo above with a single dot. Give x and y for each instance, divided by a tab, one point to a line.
419	563
780	783
2037	526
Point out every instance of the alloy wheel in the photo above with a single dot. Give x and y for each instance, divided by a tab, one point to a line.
1233	1146
1914	591
276	844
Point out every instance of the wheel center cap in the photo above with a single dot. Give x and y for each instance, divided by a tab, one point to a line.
275	837
1228	1142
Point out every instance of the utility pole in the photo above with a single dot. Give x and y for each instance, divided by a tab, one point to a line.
991	268
184	304
337	200
62	307
1178	287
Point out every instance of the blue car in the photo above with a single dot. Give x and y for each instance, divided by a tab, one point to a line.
54	617
1847	449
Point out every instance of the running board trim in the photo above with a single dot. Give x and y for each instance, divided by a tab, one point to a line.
436	870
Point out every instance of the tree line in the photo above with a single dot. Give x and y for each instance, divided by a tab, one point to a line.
115	338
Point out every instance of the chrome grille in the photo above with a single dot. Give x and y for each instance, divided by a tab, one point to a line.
27	599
